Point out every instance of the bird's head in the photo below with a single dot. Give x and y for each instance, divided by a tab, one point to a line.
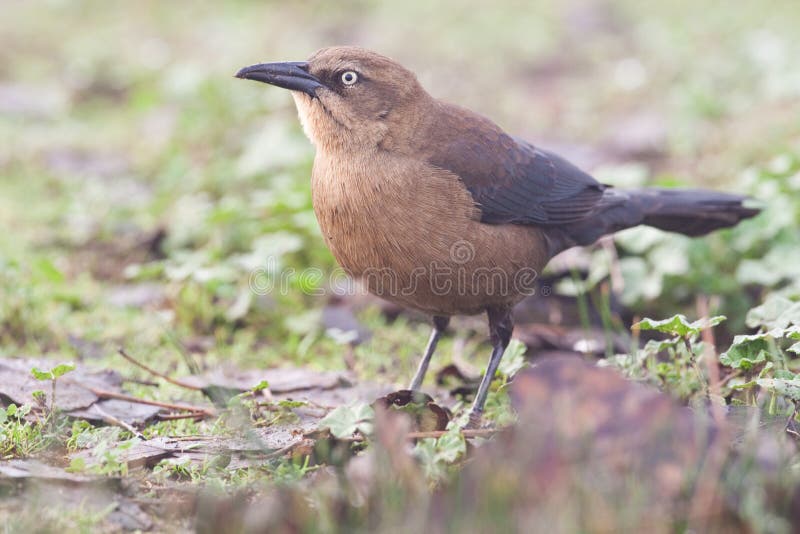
347	97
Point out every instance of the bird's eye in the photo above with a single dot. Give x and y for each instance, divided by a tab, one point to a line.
349	77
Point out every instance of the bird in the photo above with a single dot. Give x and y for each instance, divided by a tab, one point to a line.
436	208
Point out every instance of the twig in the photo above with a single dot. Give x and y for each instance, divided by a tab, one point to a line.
708	490
313	404
177	416
729	377
103	394
153	372
712	363
274	406
192	437
184	352
108	418
467	433
290	447
140	381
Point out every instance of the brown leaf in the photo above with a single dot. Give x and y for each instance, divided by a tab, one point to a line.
129	412
454	373
35	469
425	414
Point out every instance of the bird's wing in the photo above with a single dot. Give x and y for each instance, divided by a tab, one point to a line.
512	181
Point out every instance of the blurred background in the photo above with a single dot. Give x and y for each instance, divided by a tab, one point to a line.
141	185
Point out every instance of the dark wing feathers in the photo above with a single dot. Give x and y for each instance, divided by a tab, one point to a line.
510	180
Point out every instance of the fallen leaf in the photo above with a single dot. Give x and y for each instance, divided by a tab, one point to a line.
128	412
35	469
425	414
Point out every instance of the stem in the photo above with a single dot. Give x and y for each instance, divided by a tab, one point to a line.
467	433
53	396
103	394
153	372
108	418
583	304
176	416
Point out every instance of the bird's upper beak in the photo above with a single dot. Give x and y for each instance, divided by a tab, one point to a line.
292	75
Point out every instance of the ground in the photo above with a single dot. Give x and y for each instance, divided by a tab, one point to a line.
154	204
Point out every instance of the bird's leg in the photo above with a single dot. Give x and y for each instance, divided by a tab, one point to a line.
500	329
439	325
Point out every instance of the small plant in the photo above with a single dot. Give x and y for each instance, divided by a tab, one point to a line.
769	359
52	375
18	436
671	364
180	469
439	456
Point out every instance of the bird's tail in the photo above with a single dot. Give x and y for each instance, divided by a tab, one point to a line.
691	212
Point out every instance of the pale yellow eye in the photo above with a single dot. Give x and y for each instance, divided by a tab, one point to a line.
349	77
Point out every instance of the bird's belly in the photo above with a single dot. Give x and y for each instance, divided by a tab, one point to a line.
420	245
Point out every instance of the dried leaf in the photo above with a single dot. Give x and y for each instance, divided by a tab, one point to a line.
128	412
425	414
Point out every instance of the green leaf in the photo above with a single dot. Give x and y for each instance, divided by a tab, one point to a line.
655	346
53	373
261	386
679	325
793	332
344	421
62	369
49	271
795	348
436	455
288	403
747	351
76	465
642	282
786	388
775	312
451	446
38	374
783	374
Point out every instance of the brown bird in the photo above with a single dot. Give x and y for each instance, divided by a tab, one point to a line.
437	208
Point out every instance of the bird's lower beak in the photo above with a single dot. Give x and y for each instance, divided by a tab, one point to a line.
292	75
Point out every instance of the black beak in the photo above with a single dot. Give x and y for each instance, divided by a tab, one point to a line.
292	75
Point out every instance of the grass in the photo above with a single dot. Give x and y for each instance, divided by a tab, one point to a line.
134	168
